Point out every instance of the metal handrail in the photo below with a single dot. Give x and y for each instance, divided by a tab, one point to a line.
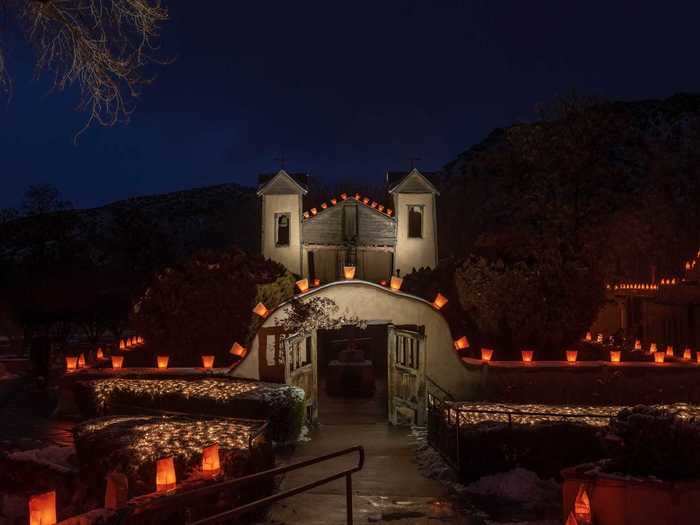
185	497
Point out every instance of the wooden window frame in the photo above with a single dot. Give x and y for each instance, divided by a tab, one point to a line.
421	207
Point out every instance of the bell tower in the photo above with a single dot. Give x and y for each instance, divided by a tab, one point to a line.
416	222
282	195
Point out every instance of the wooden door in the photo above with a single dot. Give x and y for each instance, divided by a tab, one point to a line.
406	377
300	369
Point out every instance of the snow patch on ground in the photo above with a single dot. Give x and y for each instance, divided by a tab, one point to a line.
516	497
517	485
304	435
59	458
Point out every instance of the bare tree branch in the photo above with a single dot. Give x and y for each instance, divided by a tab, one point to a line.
103	46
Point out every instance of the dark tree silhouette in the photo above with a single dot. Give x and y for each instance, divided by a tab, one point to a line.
43	198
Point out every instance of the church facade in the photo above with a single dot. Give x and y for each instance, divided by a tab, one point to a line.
379	239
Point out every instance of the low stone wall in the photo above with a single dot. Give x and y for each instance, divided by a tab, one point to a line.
595	383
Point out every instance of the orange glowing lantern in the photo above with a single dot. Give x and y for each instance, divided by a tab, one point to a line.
615	356
334	201
599	339
349	272
582	505
71	362
261	310
389	212
81	361
380	207
374	204
306	214
122	344
163	361
486	354
571	356
652	348
165	475
589	336
100	354
210	460
461	343
687	354
208	361
42	509
527	355
659	357
317	282
314	211
140	340
440	301
237	350
669	351
571	520
324	206
357	196
697	357
344	196
383	282
365	201
396	282
637	345
117	361
303	285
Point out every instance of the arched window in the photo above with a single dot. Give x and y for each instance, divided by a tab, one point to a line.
282	229
415	221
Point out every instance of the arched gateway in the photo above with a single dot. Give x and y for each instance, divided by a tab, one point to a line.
404	343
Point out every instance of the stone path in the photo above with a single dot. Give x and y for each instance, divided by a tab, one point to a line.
388	490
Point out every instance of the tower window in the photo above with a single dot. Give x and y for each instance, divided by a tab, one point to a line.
282	227
415	222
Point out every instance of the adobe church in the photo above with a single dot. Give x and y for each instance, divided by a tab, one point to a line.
378	239
384	369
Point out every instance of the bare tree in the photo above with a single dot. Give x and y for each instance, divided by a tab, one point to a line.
103	46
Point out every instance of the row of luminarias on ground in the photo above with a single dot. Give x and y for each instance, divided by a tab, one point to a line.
528	355
162	361
42	507
359	198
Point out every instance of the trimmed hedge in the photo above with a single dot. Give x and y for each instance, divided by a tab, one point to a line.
656	442
132	445
544	448
282	405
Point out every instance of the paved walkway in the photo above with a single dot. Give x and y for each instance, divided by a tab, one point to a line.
388	490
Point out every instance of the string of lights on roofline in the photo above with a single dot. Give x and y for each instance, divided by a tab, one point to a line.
357	197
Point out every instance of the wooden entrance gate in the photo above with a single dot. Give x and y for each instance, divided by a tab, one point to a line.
406	376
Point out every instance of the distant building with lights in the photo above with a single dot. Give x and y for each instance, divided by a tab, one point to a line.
666	312
379	238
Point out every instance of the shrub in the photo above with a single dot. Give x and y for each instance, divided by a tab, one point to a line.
282	405
544	448
205	305
133	444
656	442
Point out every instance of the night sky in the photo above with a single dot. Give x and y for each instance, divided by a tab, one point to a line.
343	90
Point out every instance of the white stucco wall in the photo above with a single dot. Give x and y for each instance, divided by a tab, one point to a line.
289	256
372	302
415	253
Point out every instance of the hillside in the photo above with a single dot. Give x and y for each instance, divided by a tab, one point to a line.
186	221
600	178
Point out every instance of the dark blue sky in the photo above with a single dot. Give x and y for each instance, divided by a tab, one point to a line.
343	90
